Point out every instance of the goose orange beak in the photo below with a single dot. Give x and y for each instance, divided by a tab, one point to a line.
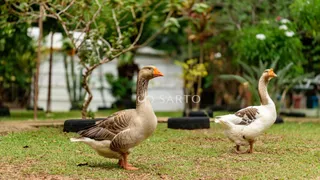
271	73
157	73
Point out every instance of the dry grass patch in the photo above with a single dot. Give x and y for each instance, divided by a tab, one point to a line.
286	151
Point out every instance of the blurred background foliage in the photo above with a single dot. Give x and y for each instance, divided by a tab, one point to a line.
16	63
222	34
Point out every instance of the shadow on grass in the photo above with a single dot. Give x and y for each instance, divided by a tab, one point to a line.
104	165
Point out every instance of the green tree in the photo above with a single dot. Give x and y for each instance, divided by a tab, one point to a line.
306	14
269	40
103	30
17	62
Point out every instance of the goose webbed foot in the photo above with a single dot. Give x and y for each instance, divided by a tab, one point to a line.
238	151
124	163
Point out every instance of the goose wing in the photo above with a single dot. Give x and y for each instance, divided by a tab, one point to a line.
107	129
248	115
242	117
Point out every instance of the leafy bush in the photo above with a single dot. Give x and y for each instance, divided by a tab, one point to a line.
120	86
267	41
306	13
280	85
17	63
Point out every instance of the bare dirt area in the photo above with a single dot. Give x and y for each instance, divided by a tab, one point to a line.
16	126
10	171
301	119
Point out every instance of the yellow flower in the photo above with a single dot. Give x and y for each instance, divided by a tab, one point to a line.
13	78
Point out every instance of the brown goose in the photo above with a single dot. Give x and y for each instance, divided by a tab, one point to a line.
115	136
245	125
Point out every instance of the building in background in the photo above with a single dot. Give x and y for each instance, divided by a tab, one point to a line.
164	93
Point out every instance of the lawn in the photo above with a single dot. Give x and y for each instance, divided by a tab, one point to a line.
286	151
28	115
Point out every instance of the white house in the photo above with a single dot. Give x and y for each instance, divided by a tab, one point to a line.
165	92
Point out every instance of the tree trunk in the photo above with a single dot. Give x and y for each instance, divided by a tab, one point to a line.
199	84
101	79
65	56
85	85
36	77
50	75
186	90
74	81
1	94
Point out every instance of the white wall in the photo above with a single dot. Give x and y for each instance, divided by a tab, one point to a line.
167	87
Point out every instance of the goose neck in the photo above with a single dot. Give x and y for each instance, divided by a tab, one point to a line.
263	91
142	91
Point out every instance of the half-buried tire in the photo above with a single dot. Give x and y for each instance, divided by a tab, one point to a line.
75	125
189	123
4	111
279	120
203	113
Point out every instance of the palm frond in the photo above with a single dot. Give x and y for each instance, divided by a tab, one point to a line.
233	77
274	63
247	68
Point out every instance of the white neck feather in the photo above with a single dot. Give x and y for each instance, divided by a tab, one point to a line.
263	91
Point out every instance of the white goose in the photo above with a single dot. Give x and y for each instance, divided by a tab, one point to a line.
115	136
245	125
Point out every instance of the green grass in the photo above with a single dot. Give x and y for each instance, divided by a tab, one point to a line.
18	115
286	151
28	115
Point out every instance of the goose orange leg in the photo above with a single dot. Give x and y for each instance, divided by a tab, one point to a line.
238	149
124	163
250	150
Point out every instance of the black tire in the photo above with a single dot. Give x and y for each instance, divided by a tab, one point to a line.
4	111
76	125
279	120
296	114
204	113
30	108
101	108
189	123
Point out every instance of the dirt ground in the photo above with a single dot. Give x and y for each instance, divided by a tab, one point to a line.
18	172
9	171
16	126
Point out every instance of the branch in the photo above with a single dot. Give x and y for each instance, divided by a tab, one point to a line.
157	33
139	34
117	25
106	42
87	28
145	16
238	25
133	13
65	9
63	24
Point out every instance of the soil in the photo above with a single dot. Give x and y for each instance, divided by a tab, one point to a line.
9	171
16	126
